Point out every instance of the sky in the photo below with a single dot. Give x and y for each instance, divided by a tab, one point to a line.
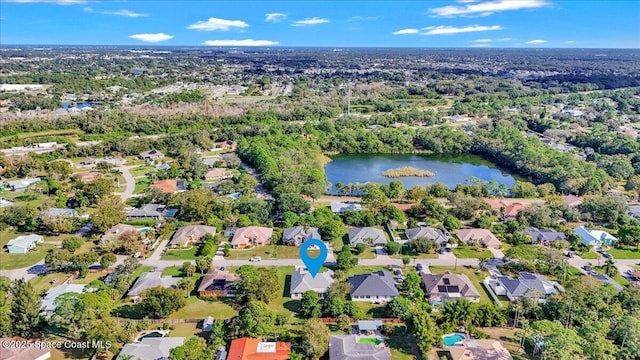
458	23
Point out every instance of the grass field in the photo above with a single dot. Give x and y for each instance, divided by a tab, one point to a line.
476	278
16	261
472	253
141	170
268	252
198	308
184	330
141	186
625	253
588	255
188	254
48	133
368	253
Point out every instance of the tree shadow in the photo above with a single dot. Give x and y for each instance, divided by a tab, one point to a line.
133	311
292	305
287	286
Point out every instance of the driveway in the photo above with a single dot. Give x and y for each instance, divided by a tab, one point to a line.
157	253
130	182
27	273
497	253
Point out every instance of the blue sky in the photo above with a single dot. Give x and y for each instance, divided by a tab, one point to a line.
461	23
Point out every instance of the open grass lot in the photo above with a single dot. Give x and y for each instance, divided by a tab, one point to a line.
588	255
476	278
368	253
268	252
43	283
49	133
283	304
625	253
185	330
187	254
16	261
141	170
27	197
472	253
199	308
364	269
173	271
141	186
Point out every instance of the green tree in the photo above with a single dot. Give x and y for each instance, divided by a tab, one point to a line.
393	247
25	309
610	268
360	248
193	348
344	323
310	306
218	334
314	338
159	302
559	341
629	235
373	197
627	332
72	243
254	320
423	329
188	268
203	263
107	260
109	211
257	284
345	259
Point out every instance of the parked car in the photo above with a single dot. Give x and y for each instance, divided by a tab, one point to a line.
137	255
419	267
571	254
255	259
587	268
607	255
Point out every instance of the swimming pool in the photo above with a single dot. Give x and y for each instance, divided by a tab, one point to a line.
452	339
144	230
152	334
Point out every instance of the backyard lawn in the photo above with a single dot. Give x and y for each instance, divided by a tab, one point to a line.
185	330
197	308
402	345
268	252
476	279
470	252
625	253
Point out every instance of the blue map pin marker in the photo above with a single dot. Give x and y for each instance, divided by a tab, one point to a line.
313	264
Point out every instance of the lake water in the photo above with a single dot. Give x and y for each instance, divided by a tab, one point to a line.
449	169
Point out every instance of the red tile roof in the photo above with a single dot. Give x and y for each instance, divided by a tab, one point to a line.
166	186
254	349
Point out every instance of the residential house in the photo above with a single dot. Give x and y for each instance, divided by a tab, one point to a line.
218	283
302	281
402	207
527	285
294	236
88	176
506	209
88	162
440	288
378	287
20	185
151	155
188	235
168	186
211	162
595	238
479	350
49	302
340	207
24	243
251	236
481	237
369	236
23	352
255	349
437	235
218	174
150	280
150	348
369	327
634	211
225	145
572	200
59	212
349	347
544	237
147	212
116	232
163	167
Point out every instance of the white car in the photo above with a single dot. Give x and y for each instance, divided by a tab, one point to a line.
137	255
255	259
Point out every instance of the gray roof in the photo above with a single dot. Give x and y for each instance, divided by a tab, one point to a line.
149	210
346	347
634	210
450	285
338	207
25	241
60	212
150	280
549	235
429	233
369	325
289	234
379	283
367	235
48	303
607	280
191	232
302	281
529	285
151	348
22	183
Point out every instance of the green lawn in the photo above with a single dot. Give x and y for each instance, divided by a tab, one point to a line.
283	304
188	254
267	252
588	255
472	253
406	251
199	308
625	253
372	310
175	271
476	278
368	253
402	344
43	283
184	330
16	261
141	186
141	170
618	278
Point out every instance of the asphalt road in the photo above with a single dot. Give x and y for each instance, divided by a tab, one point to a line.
130	183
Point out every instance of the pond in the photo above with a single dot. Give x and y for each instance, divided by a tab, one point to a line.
449	169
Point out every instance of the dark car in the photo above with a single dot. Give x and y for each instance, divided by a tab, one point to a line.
571	254
587	268
419	267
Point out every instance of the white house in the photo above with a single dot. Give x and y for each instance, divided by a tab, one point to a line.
22	244
595	238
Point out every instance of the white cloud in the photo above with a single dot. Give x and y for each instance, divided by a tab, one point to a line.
448	30
310	21
59	2
487	8
246	42
152	38
275	17
570	42
536	42
123	12
213	24
406	32
504	39
363	18
480	41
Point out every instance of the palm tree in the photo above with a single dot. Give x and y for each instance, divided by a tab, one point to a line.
561	271
610	268
117	173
